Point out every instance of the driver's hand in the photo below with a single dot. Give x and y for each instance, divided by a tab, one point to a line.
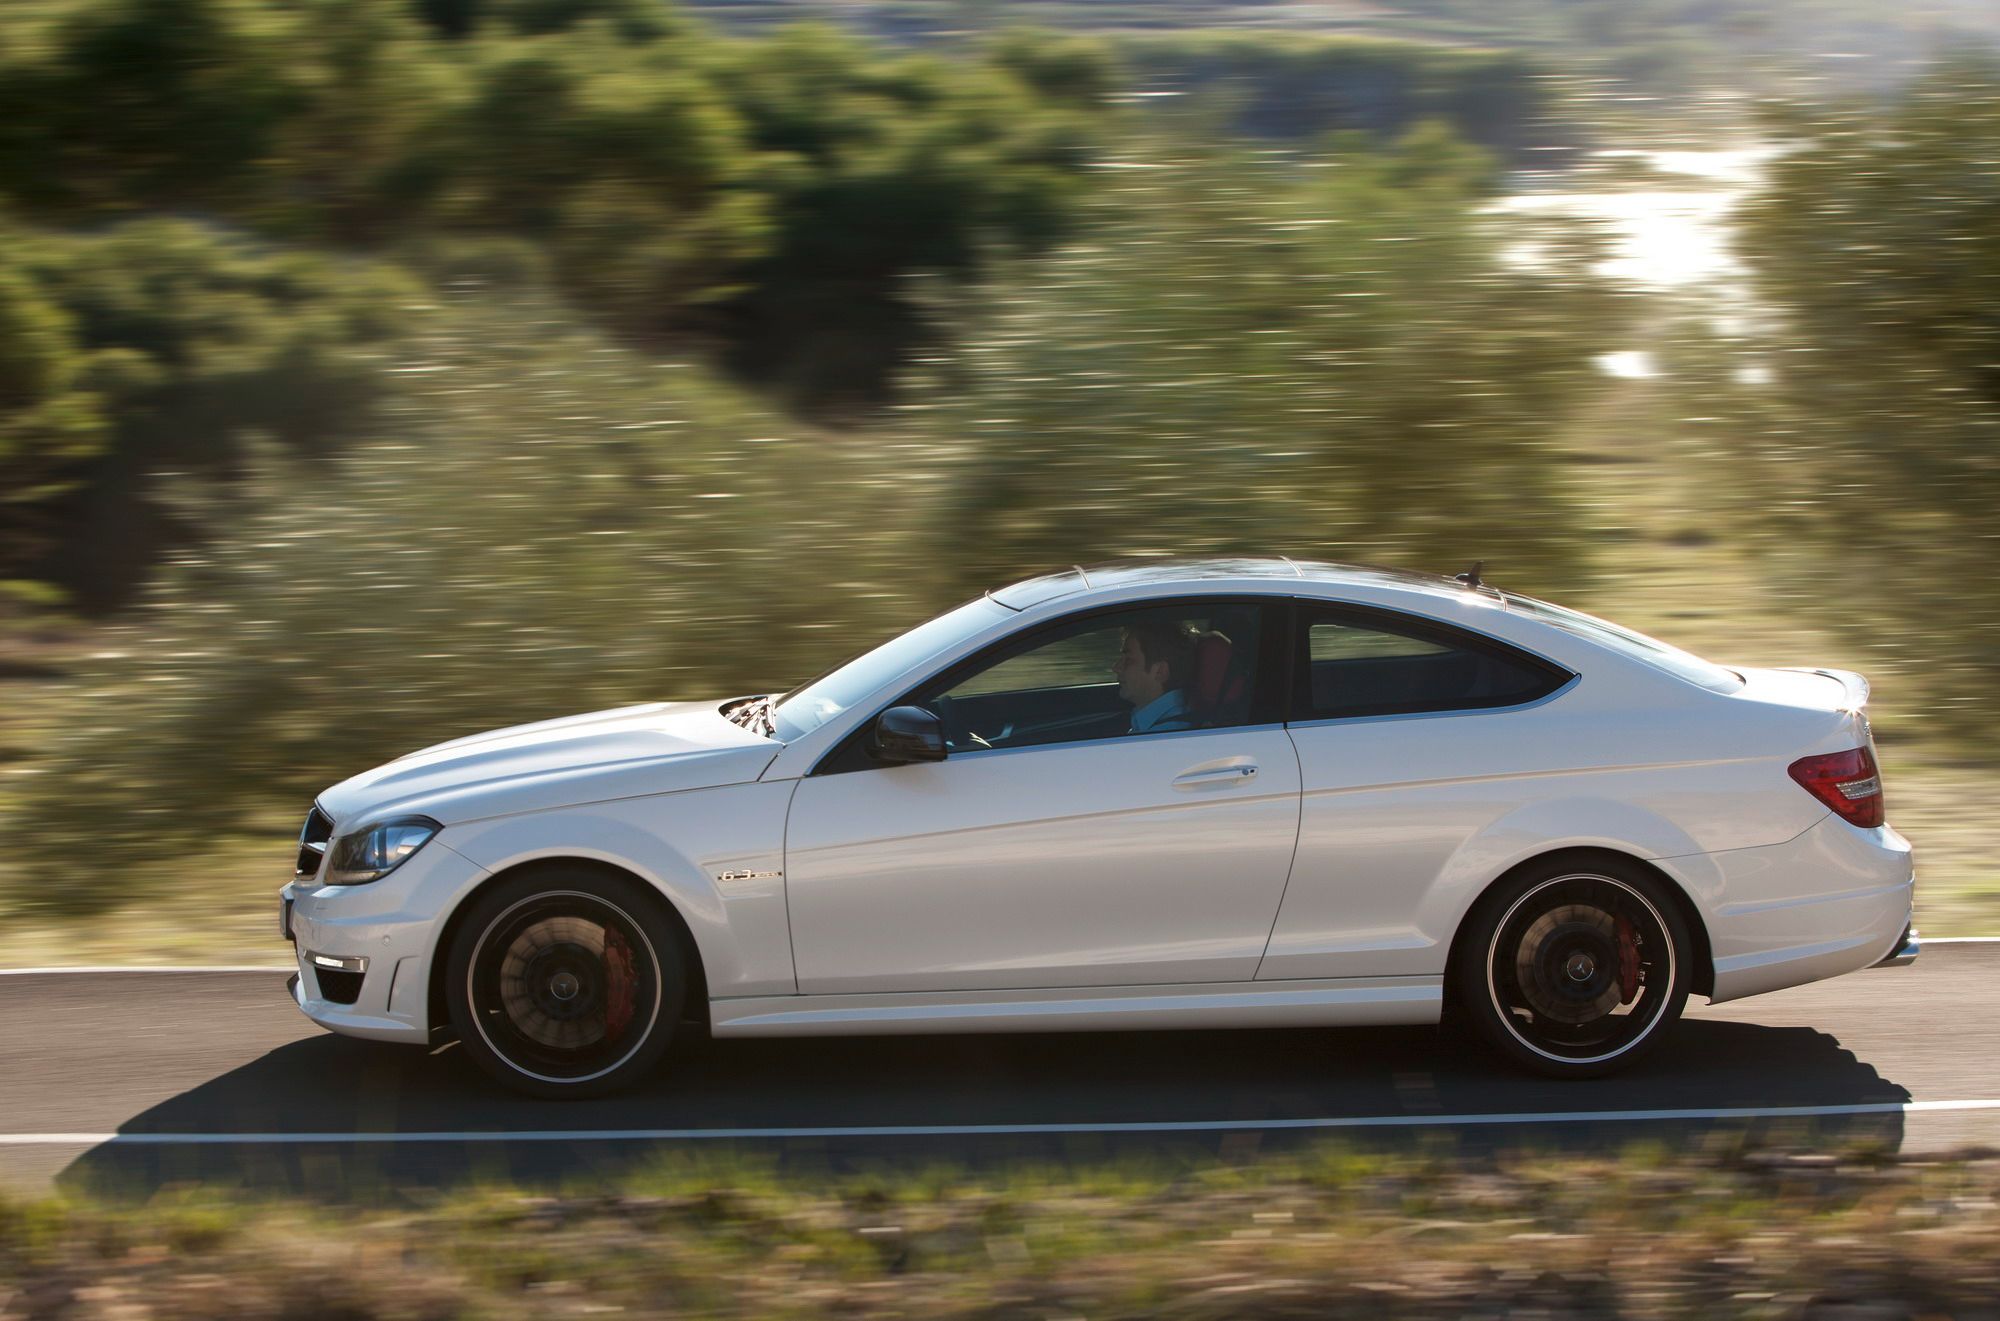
978	738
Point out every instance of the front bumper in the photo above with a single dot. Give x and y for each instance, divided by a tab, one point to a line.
365	951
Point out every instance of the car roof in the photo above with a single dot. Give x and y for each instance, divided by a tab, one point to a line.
1206	572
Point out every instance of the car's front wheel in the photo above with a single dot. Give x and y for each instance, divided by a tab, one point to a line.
1575	970
566	983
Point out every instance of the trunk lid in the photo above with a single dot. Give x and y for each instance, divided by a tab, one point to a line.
1821	714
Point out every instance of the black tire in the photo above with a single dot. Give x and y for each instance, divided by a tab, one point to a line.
566	982
1575	968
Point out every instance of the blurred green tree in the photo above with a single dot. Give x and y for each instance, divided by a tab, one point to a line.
881	169
1878	241
1328	356
541	522
622	160
144	103
50	421
767	198
1298	87
163	345
632	20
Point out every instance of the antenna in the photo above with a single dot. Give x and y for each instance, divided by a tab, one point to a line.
1471	576
1081	574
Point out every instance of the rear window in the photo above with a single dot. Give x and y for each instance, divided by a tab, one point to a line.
1638	646
1376	663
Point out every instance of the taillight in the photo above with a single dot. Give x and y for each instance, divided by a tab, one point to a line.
1847	782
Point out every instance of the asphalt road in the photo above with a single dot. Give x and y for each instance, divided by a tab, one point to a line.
132	1081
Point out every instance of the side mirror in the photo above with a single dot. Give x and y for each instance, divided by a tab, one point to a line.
905	734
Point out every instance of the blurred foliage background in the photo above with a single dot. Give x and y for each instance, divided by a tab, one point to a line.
377	371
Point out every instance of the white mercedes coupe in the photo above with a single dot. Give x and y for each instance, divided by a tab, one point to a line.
1241	793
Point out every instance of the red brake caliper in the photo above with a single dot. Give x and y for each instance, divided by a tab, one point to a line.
1628	962
620	985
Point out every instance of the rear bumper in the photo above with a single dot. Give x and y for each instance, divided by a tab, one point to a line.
1905	953
1834	900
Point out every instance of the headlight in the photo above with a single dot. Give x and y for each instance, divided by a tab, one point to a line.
374	851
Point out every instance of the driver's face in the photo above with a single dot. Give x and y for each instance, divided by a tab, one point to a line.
1138	683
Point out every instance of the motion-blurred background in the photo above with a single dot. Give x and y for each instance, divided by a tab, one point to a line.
378	371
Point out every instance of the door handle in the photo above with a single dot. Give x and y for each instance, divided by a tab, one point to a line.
1217	776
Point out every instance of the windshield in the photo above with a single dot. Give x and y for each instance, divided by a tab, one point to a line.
811	705
1652	651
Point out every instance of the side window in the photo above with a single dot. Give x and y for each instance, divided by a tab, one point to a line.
1154	669
1364	663
1074	661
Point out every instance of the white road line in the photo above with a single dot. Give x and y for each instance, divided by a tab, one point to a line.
287	967
982	1130
220	967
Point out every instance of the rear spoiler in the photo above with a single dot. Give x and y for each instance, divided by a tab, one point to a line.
1855	684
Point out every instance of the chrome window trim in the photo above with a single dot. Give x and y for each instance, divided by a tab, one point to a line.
1154	737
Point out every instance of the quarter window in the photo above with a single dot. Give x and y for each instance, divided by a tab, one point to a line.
1368	663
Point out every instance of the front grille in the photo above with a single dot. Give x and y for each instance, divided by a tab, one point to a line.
342	988
312	844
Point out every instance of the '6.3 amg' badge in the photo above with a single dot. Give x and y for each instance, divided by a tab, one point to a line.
749	876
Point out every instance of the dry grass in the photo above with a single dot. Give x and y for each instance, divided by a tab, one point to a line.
1328	1233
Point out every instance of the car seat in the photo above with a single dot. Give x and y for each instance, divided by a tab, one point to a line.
1216	691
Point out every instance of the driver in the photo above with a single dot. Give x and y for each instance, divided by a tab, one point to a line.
1154	660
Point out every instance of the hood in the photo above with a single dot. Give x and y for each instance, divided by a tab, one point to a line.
662	747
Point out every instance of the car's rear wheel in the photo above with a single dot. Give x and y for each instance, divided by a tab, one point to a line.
1575	970
566	983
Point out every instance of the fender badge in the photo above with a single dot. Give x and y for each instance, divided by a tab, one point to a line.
749	876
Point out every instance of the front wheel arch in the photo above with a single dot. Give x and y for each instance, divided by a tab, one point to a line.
1703	959
695	1000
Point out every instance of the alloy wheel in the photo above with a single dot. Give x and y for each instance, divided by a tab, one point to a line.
564	986
1581	969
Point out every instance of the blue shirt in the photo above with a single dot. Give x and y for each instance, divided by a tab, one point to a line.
1166	712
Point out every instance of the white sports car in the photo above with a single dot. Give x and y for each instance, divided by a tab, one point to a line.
1239	793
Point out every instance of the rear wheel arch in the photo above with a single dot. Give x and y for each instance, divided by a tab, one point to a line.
1703	960
696	1000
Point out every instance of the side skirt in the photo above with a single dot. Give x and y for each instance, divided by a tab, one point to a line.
1344	1002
